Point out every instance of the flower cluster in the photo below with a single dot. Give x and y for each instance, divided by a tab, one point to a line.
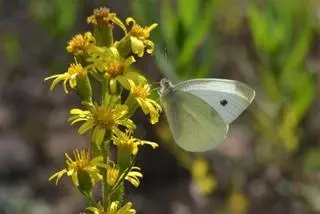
107	113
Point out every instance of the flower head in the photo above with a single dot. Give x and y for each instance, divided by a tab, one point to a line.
81	164
141	93
109	63
128	142
203	180
75	71
80	44
114	208
139	37
101	120
112	174
116	71
102	17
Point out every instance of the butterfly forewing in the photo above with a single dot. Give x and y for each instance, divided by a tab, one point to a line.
228	97
194	124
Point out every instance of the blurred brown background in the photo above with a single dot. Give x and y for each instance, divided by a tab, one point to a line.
270	162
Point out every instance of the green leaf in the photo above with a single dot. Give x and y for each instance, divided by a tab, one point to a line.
258	25
100	134
188	12
312	160
83	89
56	16
168	24
200	30
206	60
270	86
291	74
66	14
11	47
85	183
85	127
304	96
144	10
139	10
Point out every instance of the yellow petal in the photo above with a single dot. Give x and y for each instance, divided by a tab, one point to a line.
100	136
124	82
130	20
152	144
56	81
85	127
137	46
136	77
129	61
120	24
73	81
149	45
152	27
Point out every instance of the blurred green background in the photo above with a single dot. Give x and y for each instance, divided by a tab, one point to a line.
270	162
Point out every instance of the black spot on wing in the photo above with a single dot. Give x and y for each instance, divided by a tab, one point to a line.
223	102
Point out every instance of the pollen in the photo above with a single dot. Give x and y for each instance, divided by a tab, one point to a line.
113	174
142	32
115	69
128	143
101	17
104	116
139	31
76	69
81	160
142	92
79	44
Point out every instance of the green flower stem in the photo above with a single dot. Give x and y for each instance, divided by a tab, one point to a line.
132	104
117	191
105	94
124	46
123	176
124	163
91	202
84	90
104	36
95	74
105	186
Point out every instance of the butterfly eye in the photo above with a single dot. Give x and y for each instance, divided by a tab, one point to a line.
165	83
223	102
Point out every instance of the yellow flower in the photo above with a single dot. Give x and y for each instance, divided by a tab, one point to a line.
112	174
200	168
133	176
202	179
114	208
109	62
138	36
101	120
127	141
80	44
74	72
102	17
140	93
80	164
238	203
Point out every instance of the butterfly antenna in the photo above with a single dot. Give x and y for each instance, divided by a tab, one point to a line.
158	83
166	54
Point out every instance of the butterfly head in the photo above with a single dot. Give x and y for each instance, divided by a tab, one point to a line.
165	86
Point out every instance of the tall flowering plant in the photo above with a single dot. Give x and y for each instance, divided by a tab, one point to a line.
106	116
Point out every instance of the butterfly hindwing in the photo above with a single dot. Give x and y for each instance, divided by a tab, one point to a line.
194	124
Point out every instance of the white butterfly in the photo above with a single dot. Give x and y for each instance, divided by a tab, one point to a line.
199	111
